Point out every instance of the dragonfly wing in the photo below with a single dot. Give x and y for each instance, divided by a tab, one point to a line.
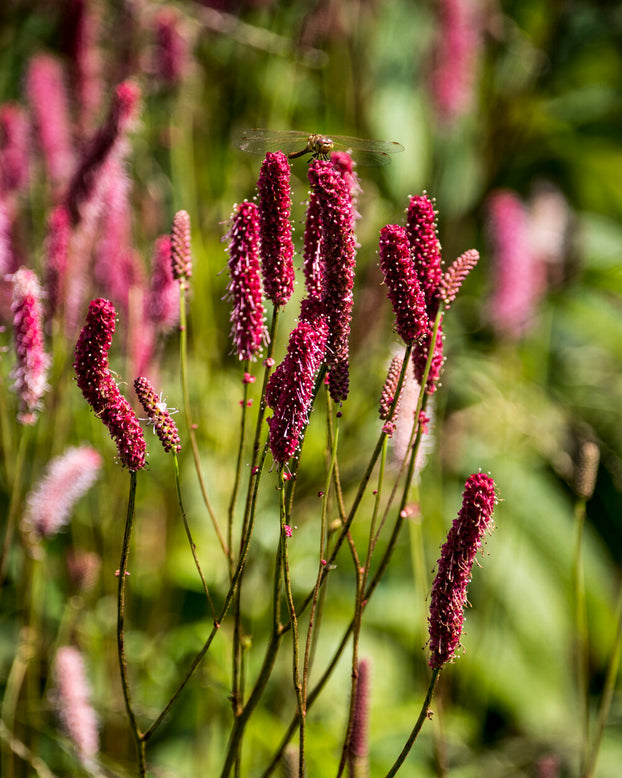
258	141
363	144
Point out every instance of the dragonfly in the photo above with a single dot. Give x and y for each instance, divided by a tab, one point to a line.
295	143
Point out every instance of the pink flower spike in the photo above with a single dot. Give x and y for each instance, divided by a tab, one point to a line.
454	277
14	139
65	480
401	279
30	372
425	248
339	256
48	99
157	414
99	388
57	256
181	250
73	699
163	300
449	590
389	389
171	56
277	247
248	331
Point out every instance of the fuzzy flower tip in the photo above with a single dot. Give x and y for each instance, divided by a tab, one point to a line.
99	388
401	279
454	277
338	247
181	252
67	478
156	411
290	388
73	699
248	331
449	590
277	247
30	372
163	301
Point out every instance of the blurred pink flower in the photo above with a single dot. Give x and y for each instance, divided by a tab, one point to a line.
57	256
81	32
30	372
517	276
73	699
48	101
456	52
65	480
14	140
163	301
181	247
171	54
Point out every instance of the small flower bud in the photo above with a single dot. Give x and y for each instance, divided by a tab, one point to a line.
181	252
586	470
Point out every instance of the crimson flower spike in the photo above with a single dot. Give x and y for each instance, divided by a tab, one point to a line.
290	389
277	247
449	590
454	277
248	331
99	388
338	247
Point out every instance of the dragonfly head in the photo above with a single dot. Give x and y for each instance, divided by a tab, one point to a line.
320	146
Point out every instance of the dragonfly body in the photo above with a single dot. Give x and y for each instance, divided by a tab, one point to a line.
295	143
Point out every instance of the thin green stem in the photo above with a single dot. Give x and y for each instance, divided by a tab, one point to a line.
581	634
15	499
193	547
183	347
238	469
129	522
423	715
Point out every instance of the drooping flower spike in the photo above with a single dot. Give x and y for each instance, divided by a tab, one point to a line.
157	414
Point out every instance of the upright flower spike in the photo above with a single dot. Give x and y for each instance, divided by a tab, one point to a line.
389	389
449	590
57	256
73	695
181	250
99	388
164	426
290	389
48	100
313	262
14	141
163	301
405	293
171	54
65	480
87	177
454	277
358	751
248	331
339	255
277	247
30	372
81	31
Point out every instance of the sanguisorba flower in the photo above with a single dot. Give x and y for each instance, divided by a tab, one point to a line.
454	276
290	389
248	331
449	590
157	414
57	256
277	247
163	300
100	389
65	480
338	248
30	372
72	696
425	251
405	292
14	146
181	247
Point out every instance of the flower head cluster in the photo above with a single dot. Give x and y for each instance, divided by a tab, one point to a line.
181	251
163	302
449	590
338	248
389	389
67	478
73	699
248	331
277	247
30	372
454	277
405	293
290	389
99	388
164	426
